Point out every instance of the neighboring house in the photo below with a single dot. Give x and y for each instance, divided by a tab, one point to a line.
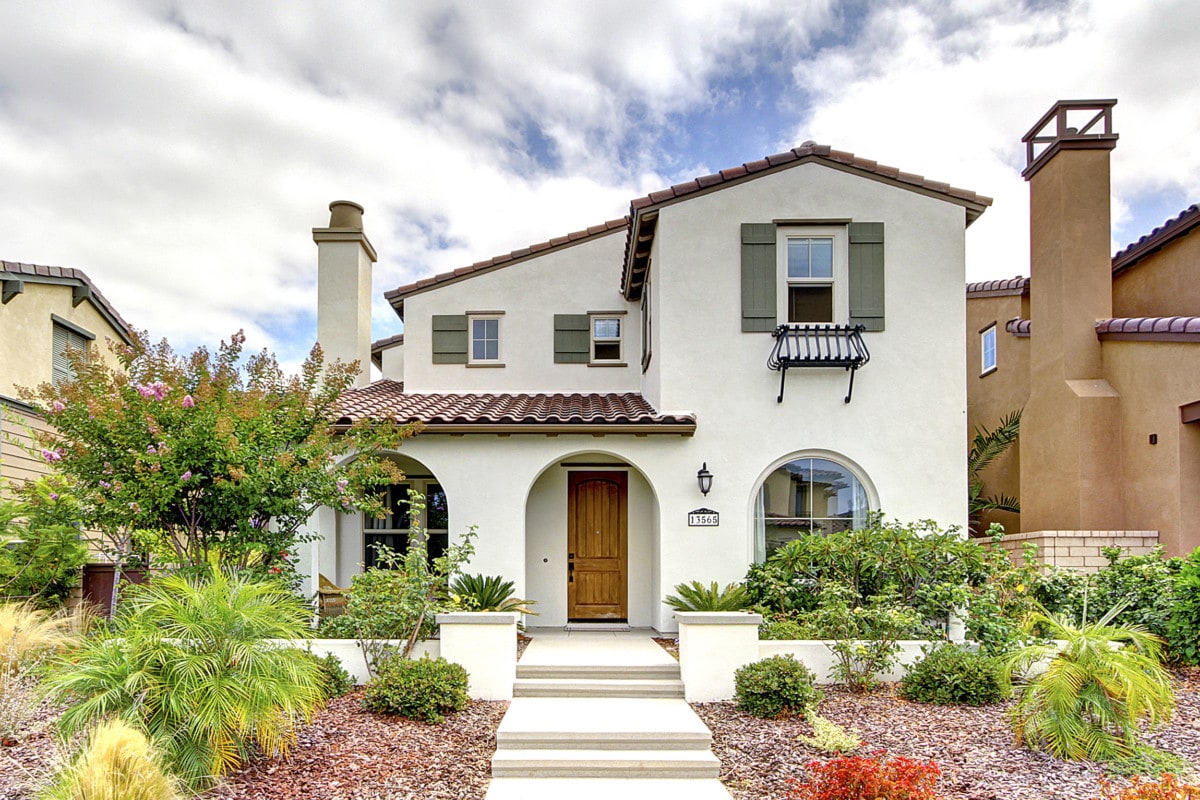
1103	353
576	393
44	312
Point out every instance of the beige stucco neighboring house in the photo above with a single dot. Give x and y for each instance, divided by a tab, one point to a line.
1103	354
763	353
44	311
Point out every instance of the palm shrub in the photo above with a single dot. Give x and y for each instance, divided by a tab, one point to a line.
190	661
425	689
1100	682
695	596
117	763
488	593
950	674
776	687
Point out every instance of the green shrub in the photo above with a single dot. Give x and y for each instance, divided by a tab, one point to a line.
424	689
488	593
865	639
190	661
954	675
783	628
695	596
829	737
775	687
117	763
1183	627
335	680
40	547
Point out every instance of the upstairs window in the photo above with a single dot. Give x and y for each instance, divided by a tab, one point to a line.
606	339
485	340
813	275
67	339
987	347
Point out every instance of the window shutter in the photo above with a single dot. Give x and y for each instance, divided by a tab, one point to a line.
449	338
62	366
572	339
759	276
866	275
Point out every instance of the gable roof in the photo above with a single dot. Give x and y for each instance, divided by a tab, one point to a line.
69	276
1172	229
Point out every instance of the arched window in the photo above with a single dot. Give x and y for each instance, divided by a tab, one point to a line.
804	497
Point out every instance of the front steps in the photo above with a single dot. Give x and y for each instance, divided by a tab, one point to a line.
587	731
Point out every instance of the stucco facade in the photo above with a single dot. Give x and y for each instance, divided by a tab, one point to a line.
684	355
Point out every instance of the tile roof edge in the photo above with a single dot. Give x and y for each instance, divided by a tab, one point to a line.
1179	225
102	304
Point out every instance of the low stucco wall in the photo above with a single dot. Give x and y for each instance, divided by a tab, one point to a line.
816	655
351	655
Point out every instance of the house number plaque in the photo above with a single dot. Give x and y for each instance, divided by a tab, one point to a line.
703	518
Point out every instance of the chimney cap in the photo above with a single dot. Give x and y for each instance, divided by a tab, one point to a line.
1069	125
345	214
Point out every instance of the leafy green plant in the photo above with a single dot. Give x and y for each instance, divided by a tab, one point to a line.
863	640
190	661
986	447
40	547
424	689
117	763
950	674
1145	759
829	737
335	680
783	628
1183	626
776	687
488	593
695	596
872	777
1100	681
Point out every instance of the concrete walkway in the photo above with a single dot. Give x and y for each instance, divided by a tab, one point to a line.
600	714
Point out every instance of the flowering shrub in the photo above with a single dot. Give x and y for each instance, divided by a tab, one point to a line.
868	778
1168	788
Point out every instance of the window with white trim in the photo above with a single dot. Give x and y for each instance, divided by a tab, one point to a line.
401	518
806	497
65	341
813	273
485	339
606	338
987	349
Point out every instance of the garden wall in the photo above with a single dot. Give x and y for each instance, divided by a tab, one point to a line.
816	655
1081	550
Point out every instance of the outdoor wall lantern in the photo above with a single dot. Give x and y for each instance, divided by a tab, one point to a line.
704	478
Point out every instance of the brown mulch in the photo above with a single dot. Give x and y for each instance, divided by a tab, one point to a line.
522	642
973	747
670	645
351	754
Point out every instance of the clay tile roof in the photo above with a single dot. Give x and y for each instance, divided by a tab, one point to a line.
77	277
1018	327
379	345
386	399
1184	223
1151	329
998	288
396	296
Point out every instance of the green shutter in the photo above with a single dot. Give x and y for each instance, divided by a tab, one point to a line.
759	276
866	275
572	339
449	338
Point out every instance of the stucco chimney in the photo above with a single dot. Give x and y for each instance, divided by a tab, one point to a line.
344	259
1069	471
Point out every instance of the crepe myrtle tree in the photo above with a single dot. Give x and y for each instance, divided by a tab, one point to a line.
204	459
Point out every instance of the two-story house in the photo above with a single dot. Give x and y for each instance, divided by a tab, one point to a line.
44	313
619	410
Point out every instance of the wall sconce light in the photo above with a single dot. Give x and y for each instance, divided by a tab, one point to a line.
704	478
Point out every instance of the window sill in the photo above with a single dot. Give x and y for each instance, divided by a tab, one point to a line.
607	364
987	372
485	365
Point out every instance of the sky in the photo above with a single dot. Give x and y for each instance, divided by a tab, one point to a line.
181	153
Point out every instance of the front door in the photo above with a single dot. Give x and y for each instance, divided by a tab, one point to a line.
597	545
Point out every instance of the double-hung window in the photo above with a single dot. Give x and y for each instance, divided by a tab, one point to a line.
814	275
987	348
485	339
606	338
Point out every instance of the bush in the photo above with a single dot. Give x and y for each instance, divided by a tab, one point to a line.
868	778
1146	759
865	639
28	633
1168	788
954	675
425	689
695	596
829	737
776	687
40	549
1183	627
118	763
188	661
335	680
783	628
487	593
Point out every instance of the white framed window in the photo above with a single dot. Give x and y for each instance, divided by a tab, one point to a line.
607	330
484	344
814	272
807	496
987	349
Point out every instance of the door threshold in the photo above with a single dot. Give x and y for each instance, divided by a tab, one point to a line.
597	626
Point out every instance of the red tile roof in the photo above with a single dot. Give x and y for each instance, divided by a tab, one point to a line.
1163	329
70	276
1018	327
386	399
379	345
998	288
1184	223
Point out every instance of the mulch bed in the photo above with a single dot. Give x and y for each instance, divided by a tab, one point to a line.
670	645
973	747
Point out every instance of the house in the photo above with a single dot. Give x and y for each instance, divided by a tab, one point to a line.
44	312
1103	354
748	357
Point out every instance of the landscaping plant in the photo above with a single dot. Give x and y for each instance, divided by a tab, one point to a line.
695	596
950	674
1167	787
424	689
191	661
829	737
873	777
986	447
782	627
40	547
1100	681
335	680
863	640
779	686
487	593
28	635
1183	626
117	763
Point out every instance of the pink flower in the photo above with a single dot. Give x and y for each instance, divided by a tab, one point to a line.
341	485
187	476
188	402
150	450
157	390
50	456
105	485
53	496
58	406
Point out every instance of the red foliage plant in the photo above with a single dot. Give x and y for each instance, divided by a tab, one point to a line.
868	778
1168	788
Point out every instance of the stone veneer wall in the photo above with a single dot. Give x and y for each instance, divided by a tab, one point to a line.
1078	549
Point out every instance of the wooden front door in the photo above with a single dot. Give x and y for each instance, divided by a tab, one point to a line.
597	545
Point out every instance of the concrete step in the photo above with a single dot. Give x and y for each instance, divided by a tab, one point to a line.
621	723
591	687
606	789
605	764
610	671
